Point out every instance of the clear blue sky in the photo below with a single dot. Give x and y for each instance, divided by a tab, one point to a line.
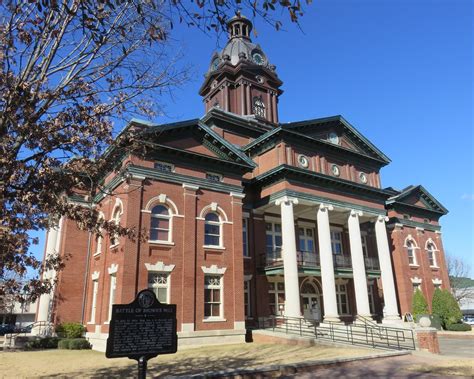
400	71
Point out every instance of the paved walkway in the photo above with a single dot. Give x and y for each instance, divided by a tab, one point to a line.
456	347
381	368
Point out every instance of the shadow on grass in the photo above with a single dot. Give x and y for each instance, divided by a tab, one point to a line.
156	368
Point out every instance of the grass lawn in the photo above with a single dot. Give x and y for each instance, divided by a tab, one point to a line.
87	363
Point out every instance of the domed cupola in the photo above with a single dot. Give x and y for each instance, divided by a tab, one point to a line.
240	78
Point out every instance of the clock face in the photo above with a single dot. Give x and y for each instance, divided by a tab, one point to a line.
303	161
215	64
335	170
257	58
333	138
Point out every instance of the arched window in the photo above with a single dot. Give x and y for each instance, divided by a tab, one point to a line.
432	255
116	214
160	225
212	230
258	107
411	252
99	236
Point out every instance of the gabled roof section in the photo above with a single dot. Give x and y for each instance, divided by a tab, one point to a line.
299	138
210	139
417	197
247	122
367	147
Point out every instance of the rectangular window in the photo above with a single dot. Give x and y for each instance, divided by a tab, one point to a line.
248	312
336	242
416	286
95	290
342	302
212	296
370	291
364	245
165	167
276	297
159	283
245	237
431	258
306	240
273	239
113	286
213	177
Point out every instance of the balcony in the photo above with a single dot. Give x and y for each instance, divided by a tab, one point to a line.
307	259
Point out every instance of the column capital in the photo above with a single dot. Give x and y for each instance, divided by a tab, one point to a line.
381	218
323	207
286	199
355	212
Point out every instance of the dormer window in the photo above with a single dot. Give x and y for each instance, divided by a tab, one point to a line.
259	107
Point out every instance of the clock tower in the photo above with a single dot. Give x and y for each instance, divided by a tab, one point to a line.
240	78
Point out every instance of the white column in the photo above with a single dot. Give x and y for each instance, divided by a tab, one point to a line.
327	265
388	284
52	248
358	265
290	265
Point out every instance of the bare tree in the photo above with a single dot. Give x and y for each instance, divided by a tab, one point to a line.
68	70
461	284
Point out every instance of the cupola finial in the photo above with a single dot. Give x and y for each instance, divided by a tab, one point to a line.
239	27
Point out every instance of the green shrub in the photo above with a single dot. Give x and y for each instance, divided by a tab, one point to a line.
43	343
79	344
460	327
419	306
446	307
70	330
64	344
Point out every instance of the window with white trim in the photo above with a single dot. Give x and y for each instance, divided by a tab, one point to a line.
212	230
276	297
116	214
213	296
306	239
432	255
164	167
160	224
159	283
245	239
336	241
95	291
416	286
113	287
411	253
258	106
342	299
248	313
99	237
273	239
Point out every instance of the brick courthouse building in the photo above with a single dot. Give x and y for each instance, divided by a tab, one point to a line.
249	217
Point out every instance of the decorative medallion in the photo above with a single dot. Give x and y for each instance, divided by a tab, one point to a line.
363	177
303	161
333	138
215	64
335	170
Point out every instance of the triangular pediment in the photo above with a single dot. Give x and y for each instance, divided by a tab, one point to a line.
336	130
419	197
192	138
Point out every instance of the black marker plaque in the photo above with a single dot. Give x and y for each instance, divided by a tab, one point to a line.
142	329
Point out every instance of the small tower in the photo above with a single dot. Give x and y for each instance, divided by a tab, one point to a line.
240	78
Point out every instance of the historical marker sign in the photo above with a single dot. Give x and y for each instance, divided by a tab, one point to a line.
142	329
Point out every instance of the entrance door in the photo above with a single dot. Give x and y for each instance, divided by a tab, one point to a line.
311	300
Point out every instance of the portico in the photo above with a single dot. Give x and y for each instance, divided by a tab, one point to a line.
327	242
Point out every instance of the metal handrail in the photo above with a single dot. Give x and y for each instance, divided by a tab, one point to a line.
368	333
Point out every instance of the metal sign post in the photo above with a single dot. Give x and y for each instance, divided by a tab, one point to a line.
141	330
